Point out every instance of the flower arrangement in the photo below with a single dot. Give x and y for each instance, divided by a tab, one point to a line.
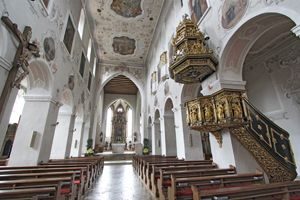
89	148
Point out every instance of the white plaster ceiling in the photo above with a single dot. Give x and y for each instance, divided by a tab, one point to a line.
129	20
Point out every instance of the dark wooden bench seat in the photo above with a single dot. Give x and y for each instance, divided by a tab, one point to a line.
155	174
85	170
63	185
161	187
274	191
89	176
79	181
180	188
71	190
146	163
44	193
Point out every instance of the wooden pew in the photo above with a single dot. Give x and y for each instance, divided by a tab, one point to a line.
62	185
88	177
274	191
44	193
180	188
79	174
71	191
86	171
161	188
147	162
152	172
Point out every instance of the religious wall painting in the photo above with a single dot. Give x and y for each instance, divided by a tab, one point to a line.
123	45
127	8
232	12
49	48
69	35
197	9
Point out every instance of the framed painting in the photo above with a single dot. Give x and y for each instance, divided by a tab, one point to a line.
197	9
69	35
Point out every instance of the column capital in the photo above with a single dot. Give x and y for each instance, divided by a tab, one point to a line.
40	98
296	30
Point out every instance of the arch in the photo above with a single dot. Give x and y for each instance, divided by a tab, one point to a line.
190	91
138	84
156	134
116	99
239	43
169	125
40	78
273	91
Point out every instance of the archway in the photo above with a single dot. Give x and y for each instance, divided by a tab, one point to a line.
38	118
78	132
140	97
170	134
156	136
62	141
150	124
271	69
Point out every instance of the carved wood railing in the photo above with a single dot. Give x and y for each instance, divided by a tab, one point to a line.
266	141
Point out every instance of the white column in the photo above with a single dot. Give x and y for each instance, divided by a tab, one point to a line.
156	138
81	142
35	132
85	138
77	136
192	143
63	136
170	135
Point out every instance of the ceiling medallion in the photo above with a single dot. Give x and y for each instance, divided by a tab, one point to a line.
123	45
193	61
127	8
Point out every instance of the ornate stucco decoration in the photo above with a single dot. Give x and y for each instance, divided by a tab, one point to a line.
193	61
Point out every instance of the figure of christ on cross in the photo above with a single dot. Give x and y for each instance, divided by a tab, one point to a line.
25	51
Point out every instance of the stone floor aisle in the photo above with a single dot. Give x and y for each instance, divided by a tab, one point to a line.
119	182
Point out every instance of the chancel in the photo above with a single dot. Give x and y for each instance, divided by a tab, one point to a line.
149	99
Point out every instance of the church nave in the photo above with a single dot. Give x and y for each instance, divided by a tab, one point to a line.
119	182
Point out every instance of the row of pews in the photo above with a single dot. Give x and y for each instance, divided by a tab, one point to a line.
60	179
170	178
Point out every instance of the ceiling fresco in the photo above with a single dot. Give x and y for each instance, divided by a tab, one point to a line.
124	29
127	8
123	45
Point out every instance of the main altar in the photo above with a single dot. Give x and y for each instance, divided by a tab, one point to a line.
118	131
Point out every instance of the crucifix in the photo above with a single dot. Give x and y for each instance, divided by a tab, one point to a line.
20	64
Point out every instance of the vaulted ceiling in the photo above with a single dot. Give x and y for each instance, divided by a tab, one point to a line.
120	85
124	29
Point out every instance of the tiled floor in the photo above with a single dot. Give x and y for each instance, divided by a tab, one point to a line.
119	182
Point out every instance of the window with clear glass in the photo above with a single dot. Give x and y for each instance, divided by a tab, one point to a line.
81	23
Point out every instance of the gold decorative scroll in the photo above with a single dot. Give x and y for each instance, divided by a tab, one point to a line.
275	170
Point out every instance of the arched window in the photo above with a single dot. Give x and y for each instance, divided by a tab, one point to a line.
129	124
89	50
81	23
109	122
